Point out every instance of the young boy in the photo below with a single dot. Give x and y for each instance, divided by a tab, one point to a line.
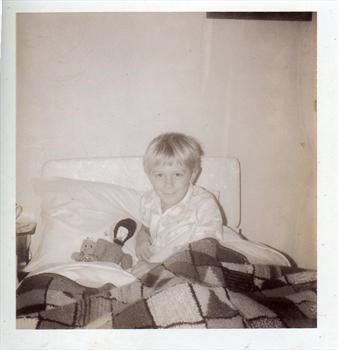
175	212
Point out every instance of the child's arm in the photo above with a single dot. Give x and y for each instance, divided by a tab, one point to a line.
143	251
143	244
209	220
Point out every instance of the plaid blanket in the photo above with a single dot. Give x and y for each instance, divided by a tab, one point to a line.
206	285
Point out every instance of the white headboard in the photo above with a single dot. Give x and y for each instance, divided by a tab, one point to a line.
221	175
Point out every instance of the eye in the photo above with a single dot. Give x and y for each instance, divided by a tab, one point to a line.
159	175
179	174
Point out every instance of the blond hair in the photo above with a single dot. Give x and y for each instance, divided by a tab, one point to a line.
173	147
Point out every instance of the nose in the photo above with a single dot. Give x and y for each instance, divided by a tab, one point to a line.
168	182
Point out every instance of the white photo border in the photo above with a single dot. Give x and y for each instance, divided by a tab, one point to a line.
322	337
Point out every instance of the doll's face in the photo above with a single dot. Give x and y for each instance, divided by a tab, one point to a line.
122	233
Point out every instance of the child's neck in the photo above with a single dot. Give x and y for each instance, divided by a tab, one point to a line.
165	207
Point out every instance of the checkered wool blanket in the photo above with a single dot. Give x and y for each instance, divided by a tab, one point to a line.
206	285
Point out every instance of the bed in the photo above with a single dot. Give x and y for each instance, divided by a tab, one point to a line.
228	283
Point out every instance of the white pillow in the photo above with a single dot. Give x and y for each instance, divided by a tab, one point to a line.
72	210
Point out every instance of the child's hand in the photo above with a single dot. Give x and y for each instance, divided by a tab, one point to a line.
141	268
145	251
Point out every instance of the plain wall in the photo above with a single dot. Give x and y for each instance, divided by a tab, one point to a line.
100	85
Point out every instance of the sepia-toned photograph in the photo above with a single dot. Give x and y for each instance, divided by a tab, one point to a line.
167	163
166	171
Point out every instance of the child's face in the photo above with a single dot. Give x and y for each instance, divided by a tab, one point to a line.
171	182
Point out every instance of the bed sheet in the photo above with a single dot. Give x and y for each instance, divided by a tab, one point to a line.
89	274
95	274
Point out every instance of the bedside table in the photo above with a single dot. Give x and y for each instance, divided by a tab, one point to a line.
24	230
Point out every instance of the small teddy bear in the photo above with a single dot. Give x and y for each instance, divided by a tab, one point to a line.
87	251
104	250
